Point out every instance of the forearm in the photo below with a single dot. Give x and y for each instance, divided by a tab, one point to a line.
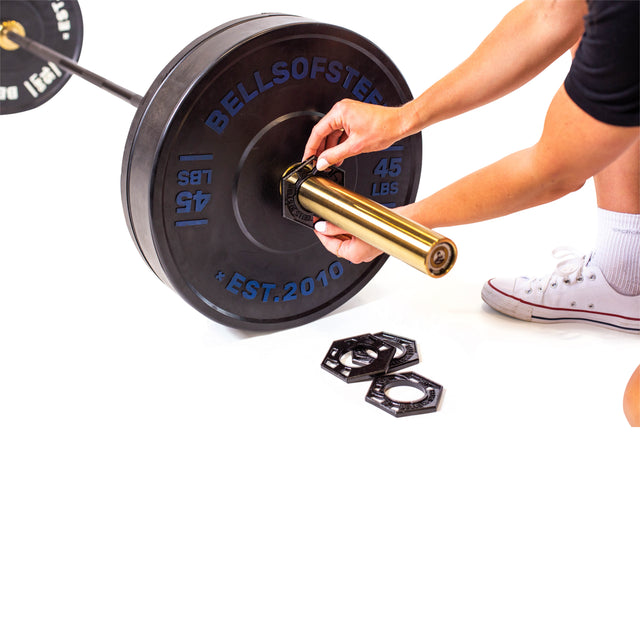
573	147
509	185
526	41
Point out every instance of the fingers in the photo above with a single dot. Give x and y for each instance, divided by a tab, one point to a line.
350	128
344	245
330	153
332	139
331	243
335	156
328	228
329	125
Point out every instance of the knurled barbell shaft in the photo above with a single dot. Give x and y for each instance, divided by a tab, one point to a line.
67	64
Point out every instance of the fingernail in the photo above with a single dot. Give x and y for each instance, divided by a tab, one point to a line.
322	164
320	226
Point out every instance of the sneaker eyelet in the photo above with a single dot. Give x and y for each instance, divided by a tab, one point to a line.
579	279
573	304
591	306
554	285
529	291
567	281
592	276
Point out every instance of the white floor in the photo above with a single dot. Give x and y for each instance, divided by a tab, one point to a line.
162	476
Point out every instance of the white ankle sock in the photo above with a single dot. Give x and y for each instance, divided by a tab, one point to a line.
617	252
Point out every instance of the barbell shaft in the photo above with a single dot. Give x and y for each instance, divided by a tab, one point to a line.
414	244
67	64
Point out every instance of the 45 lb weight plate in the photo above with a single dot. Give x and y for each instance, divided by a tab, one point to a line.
209	145
26	82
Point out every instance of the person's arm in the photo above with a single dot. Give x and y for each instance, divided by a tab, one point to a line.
526	41
573	147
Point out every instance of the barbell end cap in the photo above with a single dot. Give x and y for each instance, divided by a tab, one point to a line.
441	258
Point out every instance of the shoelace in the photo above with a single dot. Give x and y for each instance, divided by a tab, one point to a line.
571	263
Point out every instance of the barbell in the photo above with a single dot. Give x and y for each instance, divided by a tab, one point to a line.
211	197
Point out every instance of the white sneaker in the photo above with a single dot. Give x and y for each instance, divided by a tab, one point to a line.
575	292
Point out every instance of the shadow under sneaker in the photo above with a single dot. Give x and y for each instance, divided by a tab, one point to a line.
575	292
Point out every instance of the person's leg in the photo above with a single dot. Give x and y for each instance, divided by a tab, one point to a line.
618	186
618	190
631	400
603	288
617	251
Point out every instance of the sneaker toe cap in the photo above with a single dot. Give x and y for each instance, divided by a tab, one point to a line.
502	285
501	295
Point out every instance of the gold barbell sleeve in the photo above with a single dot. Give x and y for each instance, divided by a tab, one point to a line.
379	226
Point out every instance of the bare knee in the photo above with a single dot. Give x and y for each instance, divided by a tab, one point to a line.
631	400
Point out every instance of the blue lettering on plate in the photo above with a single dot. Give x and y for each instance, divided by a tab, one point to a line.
253	289
316	68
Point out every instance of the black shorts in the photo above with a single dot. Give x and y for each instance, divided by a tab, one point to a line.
604	76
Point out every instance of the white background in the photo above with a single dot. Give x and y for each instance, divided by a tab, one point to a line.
162	476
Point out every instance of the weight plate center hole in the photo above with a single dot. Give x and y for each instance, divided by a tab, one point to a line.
405	393
257	200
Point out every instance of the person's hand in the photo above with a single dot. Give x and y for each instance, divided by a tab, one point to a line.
351	128
345	245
